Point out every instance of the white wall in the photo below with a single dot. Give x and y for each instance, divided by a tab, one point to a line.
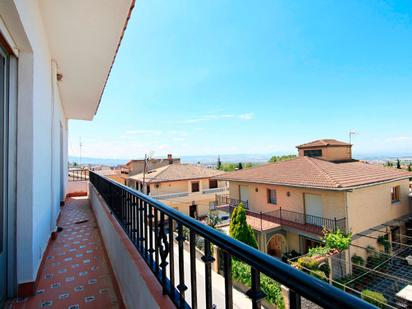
38	136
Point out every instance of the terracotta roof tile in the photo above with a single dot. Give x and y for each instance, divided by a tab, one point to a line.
324	143
316	173
175	172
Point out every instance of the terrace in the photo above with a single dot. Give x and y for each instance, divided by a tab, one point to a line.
151	272
286	218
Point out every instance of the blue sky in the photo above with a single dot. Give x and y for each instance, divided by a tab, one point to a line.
210	77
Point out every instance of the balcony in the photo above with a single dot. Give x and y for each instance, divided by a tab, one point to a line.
140	256
287	218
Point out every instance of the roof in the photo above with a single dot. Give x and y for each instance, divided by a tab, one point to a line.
323	143
174	172
316	173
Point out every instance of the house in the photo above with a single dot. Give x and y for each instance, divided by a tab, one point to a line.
134	167
63	251
181	185
289	202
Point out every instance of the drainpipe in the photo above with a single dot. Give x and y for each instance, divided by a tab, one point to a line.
349	264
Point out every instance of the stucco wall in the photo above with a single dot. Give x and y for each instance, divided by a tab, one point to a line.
331	153
138	286
371	206
333	202
40	176
181	186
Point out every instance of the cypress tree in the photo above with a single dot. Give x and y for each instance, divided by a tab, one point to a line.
398	164
239	229
240	166
219	163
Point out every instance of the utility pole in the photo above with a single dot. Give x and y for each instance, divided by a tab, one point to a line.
144	174
351	132
80	159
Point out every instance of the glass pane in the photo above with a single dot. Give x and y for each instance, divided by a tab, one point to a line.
2	104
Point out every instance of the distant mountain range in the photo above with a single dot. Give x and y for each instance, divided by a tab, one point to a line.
212	159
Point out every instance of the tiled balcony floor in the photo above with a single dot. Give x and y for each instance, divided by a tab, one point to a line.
76	272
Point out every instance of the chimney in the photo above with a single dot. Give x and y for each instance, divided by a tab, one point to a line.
170	158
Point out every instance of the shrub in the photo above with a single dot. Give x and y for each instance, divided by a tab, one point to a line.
325	268
241	273
290	255
308	262
337	240
318	251
383	240
375	298
318	274
239	229
358	260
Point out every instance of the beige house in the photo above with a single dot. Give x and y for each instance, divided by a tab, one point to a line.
291	201
134	167
181	185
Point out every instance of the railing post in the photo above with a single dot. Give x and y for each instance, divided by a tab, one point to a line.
255	293
280	215
335	226
294	300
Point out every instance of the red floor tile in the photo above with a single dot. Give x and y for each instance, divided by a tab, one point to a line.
76	272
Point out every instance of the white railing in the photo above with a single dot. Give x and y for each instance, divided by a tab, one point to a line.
214	190
169	195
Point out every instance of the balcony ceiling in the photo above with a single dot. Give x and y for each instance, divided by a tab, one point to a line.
83	37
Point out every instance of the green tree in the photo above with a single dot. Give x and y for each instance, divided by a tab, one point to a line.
281	158
213	219
240	166
74	164
239	229
410	167
398	164
219	163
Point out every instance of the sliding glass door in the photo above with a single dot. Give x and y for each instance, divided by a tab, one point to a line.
3	209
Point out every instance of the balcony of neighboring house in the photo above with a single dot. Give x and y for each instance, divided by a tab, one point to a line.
281	217
121	248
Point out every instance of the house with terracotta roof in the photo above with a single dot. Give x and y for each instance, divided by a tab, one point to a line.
290	202
182	186
134	167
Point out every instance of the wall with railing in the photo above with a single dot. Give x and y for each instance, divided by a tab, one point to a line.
78	180
149	225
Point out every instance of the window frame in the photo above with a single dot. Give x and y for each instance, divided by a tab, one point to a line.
395	194
269	198
214	181
313	153
195	183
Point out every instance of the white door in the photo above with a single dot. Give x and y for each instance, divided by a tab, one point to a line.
244	193
313	209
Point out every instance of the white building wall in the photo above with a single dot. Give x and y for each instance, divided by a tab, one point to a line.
40	115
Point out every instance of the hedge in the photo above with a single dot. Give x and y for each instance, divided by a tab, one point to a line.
241	273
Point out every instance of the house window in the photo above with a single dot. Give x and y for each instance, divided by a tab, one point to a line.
272	196
395	194
312	153
195	186
212	184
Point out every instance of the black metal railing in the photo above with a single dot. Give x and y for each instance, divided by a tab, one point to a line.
78	174
306	222
225	200
150	225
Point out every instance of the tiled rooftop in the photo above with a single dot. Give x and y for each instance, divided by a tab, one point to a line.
75	272
316	173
